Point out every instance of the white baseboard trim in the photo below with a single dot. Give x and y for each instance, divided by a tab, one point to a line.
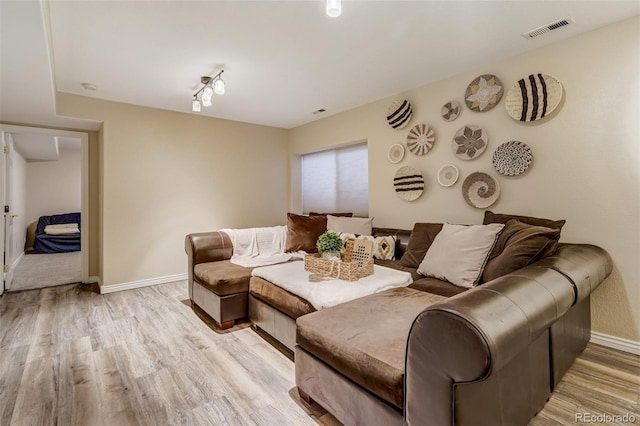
614	342
104	289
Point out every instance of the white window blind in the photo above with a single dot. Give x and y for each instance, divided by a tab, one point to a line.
336	180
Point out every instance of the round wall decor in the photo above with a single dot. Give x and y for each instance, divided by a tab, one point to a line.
512	158
483	93
399	113
420	139
533	97
469	142
408	183
450	111
480	190
448	175
396	153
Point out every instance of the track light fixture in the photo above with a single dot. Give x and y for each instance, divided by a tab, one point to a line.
210	86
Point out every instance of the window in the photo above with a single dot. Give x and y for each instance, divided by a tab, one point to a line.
336	180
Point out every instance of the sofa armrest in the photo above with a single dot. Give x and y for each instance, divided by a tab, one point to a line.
587	266
206	247
471	336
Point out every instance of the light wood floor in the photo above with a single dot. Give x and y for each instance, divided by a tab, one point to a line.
70	356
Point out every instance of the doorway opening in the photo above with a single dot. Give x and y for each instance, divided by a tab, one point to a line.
46	210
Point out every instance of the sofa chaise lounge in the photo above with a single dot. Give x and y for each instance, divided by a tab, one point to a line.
488	356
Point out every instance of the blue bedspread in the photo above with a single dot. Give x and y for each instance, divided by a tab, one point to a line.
57	243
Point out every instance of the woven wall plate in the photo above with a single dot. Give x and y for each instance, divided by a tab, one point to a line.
483	93
469	142
480	190
450	111
399	113
396	153
533	97
420	139
408	183
512	158
448	175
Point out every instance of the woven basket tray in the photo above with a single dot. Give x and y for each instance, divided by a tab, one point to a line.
356	262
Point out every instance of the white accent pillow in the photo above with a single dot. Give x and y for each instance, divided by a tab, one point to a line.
459	252
352	225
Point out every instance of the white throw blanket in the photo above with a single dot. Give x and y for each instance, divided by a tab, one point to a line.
330	292
258	246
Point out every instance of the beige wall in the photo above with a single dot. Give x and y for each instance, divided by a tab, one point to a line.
586	156
167	174
54	187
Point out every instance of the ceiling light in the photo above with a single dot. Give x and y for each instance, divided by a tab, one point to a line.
334	8
218	86
89	86
207	93
210	86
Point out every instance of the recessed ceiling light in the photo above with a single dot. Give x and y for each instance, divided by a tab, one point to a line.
319	111
89	86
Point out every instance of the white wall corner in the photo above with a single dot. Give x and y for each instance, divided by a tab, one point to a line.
614	342
104	289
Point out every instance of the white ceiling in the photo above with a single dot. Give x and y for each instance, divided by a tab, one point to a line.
282	59
36	147
42	147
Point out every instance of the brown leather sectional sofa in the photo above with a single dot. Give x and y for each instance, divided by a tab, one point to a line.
431	353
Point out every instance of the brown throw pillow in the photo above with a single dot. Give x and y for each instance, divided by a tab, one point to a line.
419	242
303	232
491	217
519	245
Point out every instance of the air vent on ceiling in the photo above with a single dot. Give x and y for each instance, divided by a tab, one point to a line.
548	28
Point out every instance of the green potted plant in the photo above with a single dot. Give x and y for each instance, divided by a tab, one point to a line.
330	245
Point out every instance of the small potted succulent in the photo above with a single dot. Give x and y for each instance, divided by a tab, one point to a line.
330	245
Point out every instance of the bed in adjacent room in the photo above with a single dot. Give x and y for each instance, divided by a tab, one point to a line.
59	233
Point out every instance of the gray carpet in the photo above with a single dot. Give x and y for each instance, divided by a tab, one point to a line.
46	270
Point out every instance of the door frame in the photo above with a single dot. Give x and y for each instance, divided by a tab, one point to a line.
7	199
3	167
84	185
